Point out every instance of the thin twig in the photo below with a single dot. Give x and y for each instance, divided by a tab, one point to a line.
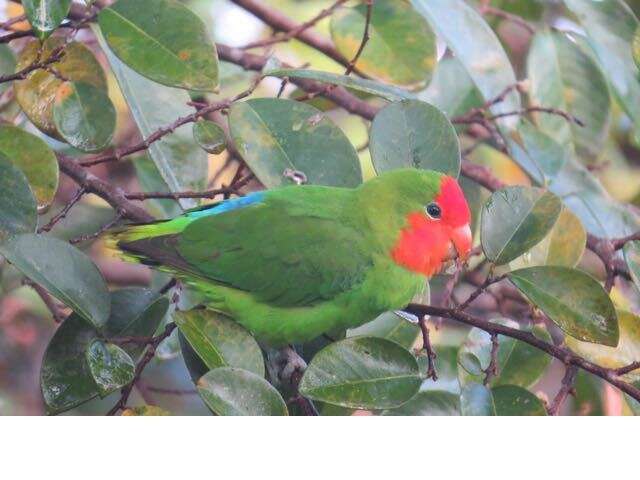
428	348
565	390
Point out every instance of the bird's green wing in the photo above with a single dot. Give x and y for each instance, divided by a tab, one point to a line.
291	249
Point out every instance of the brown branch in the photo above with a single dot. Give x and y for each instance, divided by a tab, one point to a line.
428	348
291	34
111	194
563	354
148	355
49	301
210	194
492	370
65	210
280	22
365	38
166	130
565	390
486	9
100	231
55	56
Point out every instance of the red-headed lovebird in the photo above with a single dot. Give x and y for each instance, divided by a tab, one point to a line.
293	263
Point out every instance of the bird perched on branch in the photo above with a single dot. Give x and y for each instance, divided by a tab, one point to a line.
292	263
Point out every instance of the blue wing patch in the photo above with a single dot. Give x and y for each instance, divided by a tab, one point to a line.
227	205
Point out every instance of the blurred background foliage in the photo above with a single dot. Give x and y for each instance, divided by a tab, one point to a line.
608	149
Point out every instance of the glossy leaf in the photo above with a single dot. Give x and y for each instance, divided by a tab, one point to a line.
362	372
401	49
514	220
574	300
84	116
563	246
537	153
611	26
632	258
635	46
162	40
65	378
233	391
626	352
46	15
151	181
511	400
389	326
17	206
451	89
36	160
57	266
477	47
210	136
565	77
219	341
476	400
433	403
36	94
273	135
110	366
378	89
7	66
180	161
415	134
518	363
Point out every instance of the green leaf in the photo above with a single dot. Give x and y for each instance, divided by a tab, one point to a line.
626	352
353	83
514	220
36	94
219	341
518	363
46	15
210	136
563	76
362	372
195	366
135	312
233	391
66	272
7	65
145	411
589	397
36	160
65	377
433	404
563	246
84	116
477	47
162	40
476	400
536	152
611	26
17	206
110	366
273	135
632	258
180	161
151	181
415	134
452	90
401	49
389	326
573	300
511	400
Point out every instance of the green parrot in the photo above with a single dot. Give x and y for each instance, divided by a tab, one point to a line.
293	263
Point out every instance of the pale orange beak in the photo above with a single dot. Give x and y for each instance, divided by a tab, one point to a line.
462	240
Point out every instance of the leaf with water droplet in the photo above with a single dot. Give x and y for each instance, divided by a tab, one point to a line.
110	366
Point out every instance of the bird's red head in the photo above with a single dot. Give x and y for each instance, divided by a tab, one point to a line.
437	234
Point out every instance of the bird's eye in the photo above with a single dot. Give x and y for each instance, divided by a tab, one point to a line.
434	210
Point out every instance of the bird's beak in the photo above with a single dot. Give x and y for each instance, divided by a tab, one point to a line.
462	240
